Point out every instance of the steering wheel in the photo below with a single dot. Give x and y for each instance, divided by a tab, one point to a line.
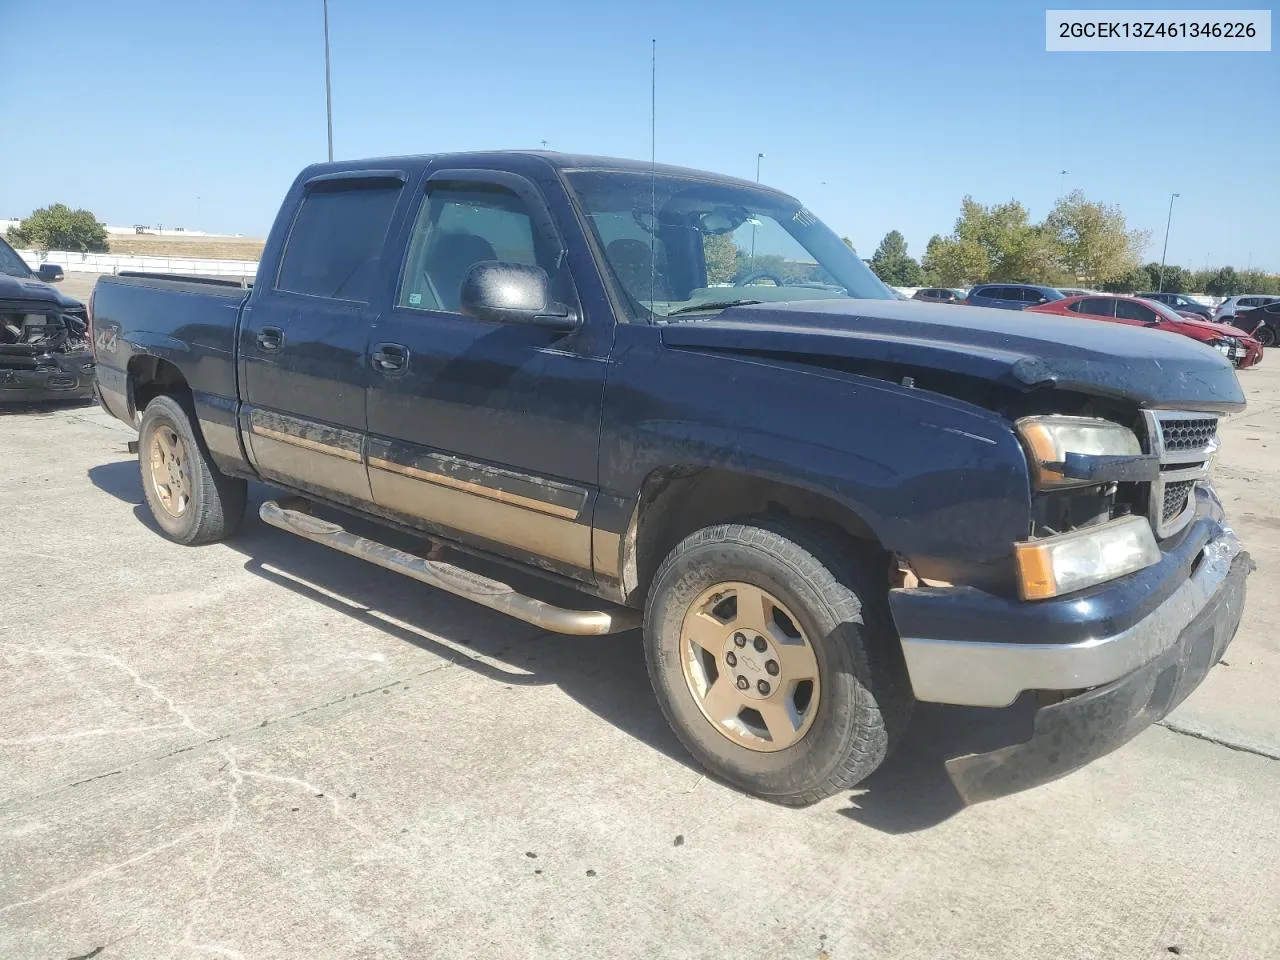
758	275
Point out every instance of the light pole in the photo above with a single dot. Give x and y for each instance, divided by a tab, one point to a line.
1172	197
328	95
1062	182
759	157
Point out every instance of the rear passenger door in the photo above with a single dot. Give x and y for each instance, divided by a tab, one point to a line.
303	366
1098	308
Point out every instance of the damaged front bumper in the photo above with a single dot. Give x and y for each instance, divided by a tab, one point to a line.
58	376
1112	685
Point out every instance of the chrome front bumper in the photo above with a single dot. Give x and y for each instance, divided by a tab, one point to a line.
982	674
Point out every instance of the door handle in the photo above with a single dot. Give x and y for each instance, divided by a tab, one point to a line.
271	338
390	358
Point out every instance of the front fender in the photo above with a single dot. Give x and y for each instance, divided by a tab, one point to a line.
938	480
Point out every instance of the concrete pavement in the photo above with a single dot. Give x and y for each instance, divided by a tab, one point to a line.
263	749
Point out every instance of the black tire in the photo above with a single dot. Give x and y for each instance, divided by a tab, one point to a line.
216	503
1266	335
838	593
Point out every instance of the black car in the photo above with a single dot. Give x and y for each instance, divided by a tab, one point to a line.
1262	323
1180	302
939	295
44	345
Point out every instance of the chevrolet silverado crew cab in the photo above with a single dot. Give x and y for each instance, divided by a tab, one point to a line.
684	396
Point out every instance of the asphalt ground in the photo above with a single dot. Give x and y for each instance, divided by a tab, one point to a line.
264	749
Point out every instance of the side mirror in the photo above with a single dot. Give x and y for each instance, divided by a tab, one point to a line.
49	272
512	293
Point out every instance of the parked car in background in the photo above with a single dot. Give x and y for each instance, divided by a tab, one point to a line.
1261	323
939	295
1010	296
1241	349
1073	292
44	346
1226	311
1180	302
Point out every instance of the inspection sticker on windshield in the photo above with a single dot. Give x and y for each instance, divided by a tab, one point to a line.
1157	30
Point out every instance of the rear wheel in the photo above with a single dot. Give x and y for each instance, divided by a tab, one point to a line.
770	649
1266	335
192	501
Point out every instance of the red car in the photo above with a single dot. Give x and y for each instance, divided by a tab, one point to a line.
1242	349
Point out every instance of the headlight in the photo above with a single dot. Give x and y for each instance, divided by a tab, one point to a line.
1224	345
1049	439
1072	561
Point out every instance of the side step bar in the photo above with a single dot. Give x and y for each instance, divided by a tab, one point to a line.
445	576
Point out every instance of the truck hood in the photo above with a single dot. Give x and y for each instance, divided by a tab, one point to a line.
16	288
1021	350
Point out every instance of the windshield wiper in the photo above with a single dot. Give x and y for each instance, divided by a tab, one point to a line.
712	305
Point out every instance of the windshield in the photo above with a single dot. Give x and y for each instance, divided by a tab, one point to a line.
11	264
677	245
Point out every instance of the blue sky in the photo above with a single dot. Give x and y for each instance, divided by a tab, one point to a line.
878	115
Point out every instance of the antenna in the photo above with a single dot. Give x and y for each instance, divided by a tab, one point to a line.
653	169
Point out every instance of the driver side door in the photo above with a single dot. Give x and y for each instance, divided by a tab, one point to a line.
481	431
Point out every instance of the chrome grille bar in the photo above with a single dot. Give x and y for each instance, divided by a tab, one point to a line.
1185	444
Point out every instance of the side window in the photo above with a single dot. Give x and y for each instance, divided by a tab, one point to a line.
1132	310
1247	302
1032	295
459	225
1098	307
336	242
1075	307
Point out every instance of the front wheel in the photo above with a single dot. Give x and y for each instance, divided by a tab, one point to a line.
770	650
192	501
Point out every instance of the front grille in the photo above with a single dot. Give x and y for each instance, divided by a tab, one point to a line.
1185	444
1188	434
1175	499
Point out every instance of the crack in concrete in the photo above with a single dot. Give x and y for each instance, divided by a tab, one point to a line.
248	730
1218	741
194	906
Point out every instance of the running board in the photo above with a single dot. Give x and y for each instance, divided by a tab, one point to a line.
445	576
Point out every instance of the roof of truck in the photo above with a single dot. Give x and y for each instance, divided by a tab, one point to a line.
560	161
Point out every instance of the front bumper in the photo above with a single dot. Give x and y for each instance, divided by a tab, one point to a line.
69	377
1116	658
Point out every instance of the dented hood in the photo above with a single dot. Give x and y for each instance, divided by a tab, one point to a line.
1018	349
20	288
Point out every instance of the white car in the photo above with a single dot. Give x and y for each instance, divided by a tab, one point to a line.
1225	311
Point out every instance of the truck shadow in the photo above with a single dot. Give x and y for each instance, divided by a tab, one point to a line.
911	792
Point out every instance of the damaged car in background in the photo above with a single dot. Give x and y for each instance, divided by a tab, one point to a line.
44	341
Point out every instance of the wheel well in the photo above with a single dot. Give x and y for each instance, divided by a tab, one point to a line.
676	501
151	376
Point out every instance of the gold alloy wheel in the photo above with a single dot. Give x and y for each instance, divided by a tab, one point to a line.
749	666
170	470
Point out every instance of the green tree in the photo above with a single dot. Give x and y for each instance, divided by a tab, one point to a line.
721	256
58	227
1225	283
1093	242
1259	281
955	262
1133	280
892	264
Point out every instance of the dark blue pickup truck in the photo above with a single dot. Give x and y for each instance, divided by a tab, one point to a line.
684	396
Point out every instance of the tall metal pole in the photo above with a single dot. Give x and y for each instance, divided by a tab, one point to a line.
1062	182
759	157
328	94
1163	252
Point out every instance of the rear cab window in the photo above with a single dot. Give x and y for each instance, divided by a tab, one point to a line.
335	244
